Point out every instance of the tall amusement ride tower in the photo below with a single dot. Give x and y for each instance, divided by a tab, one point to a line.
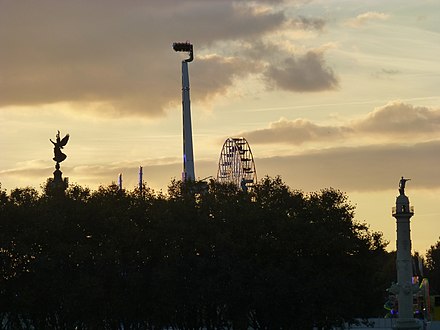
188	154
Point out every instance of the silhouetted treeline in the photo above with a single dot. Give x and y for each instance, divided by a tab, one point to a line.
201	256
433	265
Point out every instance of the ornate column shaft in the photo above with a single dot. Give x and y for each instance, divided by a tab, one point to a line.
404	289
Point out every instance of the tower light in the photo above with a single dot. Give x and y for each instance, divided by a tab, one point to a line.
186	47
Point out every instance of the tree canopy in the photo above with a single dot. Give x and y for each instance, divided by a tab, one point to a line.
433	265
203	255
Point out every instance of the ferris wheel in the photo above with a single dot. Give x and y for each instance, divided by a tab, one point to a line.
236	164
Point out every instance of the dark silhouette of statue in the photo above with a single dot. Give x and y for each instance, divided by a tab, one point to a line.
402	184
59	156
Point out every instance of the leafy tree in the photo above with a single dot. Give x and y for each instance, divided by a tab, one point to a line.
433	265
202	255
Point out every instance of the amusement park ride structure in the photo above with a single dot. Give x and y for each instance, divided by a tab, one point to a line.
236	163
188	173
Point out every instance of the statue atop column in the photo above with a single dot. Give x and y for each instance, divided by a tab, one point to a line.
402	184
405	288
59	156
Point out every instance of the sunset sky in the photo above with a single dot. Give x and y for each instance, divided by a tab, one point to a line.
328	93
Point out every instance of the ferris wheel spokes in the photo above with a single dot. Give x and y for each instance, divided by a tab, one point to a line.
236	163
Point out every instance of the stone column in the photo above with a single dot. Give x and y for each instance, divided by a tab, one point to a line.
404	289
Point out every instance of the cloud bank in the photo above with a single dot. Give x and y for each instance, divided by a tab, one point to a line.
116	58
395	121
304	74
365	168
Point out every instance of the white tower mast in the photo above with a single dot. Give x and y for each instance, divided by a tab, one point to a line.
188	154
120	181
404	289
141	182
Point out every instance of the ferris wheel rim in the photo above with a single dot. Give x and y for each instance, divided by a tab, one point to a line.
236	163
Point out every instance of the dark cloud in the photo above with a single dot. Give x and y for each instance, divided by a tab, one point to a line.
213	75
116	57
400	119
392	121
296	132
308	23
306	73
209	22
370	168
114	53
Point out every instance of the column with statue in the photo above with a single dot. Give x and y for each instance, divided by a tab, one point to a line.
58	182
404	289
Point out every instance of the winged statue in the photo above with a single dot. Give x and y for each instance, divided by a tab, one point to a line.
59	156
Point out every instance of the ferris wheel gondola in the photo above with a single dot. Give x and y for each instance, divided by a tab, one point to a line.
236	164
